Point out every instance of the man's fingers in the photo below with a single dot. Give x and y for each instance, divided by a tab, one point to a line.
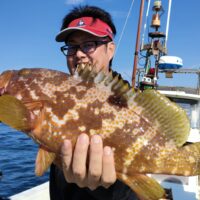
79	159
95	162
108	174
66	154
101	168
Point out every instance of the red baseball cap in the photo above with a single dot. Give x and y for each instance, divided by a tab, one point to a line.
87	24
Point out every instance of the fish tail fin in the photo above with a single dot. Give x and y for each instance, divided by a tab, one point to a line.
183	161
145	187
43	161
188	160
14	113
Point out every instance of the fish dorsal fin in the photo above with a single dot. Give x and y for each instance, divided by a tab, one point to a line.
112	79
171	119
146	188
43	161
14	113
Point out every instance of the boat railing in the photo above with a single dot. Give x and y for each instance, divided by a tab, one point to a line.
170	72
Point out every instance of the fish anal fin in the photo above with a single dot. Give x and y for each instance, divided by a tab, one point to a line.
43	161
146	188
14	113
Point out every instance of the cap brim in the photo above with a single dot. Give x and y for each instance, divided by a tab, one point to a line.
62	36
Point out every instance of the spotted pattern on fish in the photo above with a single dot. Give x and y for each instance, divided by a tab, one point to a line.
145	130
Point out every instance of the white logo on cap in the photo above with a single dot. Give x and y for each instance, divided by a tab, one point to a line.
81	23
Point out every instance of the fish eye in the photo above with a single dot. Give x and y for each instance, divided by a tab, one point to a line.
24	72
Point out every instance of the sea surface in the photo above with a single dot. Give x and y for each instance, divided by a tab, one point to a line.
17	162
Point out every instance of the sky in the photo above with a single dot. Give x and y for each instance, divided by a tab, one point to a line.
28	29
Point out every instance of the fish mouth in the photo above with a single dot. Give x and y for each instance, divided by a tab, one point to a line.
4	81
2	91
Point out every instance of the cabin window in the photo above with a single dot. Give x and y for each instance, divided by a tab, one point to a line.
192	109
173	180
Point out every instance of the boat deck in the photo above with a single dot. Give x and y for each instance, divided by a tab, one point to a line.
39	192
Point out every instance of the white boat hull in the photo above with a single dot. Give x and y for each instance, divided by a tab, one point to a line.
40	192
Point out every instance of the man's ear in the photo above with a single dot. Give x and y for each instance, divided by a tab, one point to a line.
111	49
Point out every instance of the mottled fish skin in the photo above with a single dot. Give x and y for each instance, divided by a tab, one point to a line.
63	106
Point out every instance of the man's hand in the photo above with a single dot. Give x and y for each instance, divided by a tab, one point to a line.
99	170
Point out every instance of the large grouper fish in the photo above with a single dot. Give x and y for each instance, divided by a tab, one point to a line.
146	130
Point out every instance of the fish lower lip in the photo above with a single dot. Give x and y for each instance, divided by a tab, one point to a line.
2	91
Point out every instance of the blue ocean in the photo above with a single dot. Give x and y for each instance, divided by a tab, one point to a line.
17	162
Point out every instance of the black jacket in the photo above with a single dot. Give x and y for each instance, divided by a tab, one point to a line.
61	190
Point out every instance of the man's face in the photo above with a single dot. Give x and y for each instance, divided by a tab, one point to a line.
100	57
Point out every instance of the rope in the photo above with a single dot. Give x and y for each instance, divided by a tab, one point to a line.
168	19
145	25
129	12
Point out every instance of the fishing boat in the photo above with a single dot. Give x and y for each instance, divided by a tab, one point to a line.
147	77
184	188
40	192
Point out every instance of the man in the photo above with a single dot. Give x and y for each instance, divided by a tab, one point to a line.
88	170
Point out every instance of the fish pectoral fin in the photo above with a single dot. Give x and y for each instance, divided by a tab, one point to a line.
43	161
145	187
14	113
34	104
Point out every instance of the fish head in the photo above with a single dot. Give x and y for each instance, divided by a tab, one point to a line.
16	83
10	100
